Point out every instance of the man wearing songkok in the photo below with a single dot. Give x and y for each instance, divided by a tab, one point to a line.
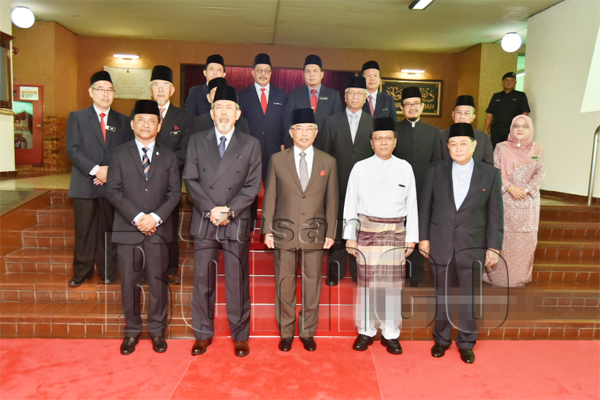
464	112
461	226
378	104
322	100
381	225
263	105
204	122
419	144
196	103
347	138
93	134
299	216
145	187
503	107
222	175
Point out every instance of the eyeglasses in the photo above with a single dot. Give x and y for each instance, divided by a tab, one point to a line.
520	126
143	121
356	93
383	139
161	85
411	105
460	113
105	91
307	130
263	71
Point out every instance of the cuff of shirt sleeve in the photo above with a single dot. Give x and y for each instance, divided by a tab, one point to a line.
94	170
137	218
157	218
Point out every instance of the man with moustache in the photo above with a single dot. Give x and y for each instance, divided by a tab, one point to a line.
461	227
222	175
419	144
464	112
196	103
92	135
347	138
145	187
379	105
299	211
322	100
204	122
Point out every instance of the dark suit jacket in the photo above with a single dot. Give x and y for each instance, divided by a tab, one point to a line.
297	219
479	223
385	106
232	181
86	148
130	193
204	122
338	144
266	127
483	152
175	131
197	103
329	103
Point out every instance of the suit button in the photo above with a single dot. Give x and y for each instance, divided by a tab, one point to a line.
145	207
414	140
263	133
230	189
414	152
353	151
145	190
203	169
237	172
211	188
303	213
303	197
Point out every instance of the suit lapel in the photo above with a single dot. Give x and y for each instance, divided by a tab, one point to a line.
231	154
450	184
345	124
167	124
212	148
476	177
137	159
292	165
112	123
96	128
315	167
156	162
364	131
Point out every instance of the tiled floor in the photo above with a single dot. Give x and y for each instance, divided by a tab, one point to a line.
49	181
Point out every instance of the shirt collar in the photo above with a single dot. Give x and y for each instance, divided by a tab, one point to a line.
349	113
165	106
98	112
310	90
228	135
309	152
374	95
140	146
413	123
463	168
258	87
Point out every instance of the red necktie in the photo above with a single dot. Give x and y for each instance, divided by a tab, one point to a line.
371	105
102	115
263	100
313	100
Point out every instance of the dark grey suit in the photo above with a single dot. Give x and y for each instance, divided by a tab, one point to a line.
459	239
197	103
338	143
131	193
483	151
94	215
212	181
385	106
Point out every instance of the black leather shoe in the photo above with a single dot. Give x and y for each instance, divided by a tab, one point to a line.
174	280
78	280
241	348
332	282
285	344
392	346
107	281
467	355
128	345
309	344
159	344
200	346
362	342
438	350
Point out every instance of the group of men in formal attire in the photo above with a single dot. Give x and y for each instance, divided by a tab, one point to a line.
378	196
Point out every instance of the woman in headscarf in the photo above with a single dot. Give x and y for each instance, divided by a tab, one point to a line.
522	164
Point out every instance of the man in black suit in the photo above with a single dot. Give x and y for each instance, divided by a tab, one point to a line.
196	103
204	122
347	137
461	224
324	101
144	186
92	135
263	105
419	144
464	112
222	175
379	105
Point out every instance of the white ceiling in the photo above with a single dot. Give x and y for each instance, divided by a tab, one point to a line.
447	26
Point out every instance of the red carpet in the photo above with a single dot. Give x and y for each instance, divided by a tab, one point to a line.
94	369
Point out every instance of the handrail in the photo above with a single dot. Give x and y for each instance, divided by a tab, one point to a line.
593	167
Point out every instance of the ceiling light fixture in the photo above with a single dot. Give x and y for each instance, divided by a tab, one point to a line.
511	42
419	4
126	56
22	17
413	71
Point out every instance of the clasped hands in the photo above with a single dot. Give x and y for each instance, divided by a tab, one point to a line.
146	224
492	256
101	175
220	216
518	193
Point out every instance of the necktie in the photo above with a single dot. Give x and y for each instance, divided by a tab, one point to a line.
222	146
162	111
303	171
103	126
263	100
371	105
146	162
313	100
353	126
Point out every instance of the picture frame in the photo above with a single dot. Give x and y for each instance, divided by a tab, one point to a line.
6	93
431	93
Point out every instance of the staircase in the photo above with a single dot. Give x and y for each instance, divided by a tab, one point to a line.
37	252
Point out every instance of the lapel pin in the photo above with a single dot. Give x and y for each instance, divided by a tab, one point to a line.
483	190
322	173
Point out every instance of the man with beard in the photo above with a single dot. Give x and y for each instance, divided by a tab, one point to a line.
204	122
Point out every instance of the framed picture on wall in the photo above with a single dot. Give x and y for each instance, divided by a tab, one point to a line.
431	93
6	95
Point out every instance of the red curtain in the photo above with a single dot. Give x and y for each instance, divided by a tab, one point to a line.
241	77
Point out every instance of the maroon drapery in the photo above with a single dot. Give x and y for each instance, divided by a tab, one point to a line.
241	77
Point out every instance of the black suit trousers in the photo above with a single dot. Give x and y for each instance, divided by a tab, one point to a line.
93	241
174	245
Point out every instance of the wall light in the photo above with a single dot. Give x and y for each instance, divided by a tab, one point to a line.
511	42
22	17
126	56
419	4
413	71
521	74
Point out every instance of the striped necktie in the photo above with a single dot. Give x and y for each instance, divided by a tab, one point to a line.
146	162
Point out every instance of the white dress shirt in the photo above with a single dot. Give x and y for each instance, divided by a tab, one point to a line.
228	136
309	157
374	97
461	181
150	148
166	108
357	116
384	189
98	112
259	91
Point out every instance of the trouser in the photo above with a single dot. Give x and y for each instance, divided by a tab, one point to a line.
499	133
174	245
338	256
379	305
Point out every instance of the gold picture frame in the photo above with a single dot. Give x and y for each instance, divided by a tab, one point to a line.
6	94
431	93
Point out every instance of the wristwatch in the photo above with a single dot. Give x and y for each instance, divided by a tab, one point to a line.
231	213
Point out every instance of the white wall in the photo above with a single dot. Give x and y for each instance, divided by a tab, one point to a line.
560	45
7	135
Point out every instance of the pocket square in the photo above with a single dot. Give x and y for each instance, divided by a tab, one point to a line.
322	173
175	127
483	190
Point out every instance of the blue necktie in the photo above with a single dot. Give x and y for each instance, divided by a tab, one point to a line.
146	162
222	146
